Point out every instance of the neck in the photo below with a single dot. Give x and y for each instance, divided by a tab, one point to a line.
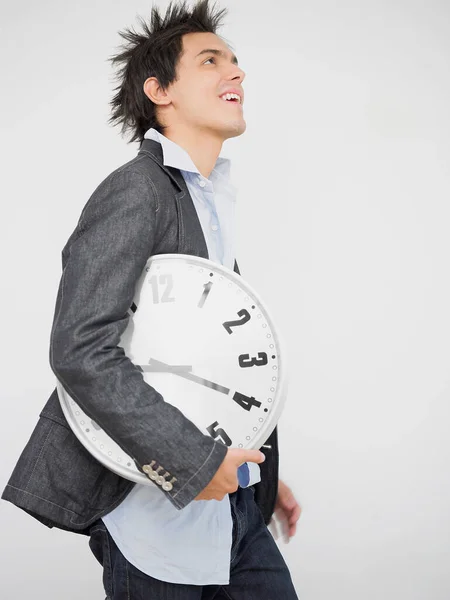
203	147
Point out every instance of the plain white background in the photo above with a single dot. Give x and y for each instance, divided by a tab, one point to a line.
344	180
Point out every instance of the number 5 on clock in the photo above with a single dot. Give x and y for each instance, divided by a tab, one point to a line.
219	432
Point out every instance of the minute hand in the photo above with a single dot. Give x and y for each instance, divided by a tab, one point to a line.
188	375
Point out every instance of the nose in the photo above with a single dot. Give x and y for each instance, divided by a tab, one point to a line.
236	74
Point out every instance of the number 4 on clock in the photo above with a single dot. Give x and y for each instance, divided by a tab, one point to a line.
246	401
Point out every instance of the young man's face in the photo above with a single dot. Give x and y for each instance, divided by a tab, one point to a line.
202	78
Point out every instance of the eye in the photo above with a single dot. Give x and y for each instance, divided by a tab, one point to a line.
212	58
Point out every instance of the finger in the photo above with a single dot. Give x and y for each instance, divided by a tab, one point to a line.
288	501
251	456
296	513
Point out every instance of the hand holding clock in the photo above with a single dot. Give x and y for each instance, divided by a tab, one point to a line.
225	480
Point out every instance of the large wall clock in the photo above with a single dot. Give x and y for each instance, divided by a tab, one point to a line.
204	339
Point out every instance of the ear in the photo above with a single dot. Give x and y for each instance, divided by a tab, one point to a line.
155	93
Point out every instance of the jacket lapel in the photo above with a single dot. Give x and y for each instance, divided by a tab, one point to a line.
190	234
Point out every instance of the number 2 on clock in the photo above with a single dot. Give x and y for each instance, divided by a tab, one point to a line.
245	317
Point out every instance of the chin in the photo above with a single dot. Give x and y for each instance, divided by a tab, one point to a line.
234	129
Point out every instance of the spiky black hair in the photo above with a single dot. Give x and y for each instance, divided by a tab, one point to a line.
154	53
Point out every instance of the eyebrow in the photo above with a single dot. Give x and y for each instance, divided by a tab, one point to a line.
218	53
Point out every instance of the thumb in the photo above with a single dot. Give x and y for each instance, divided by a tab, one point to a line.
243	456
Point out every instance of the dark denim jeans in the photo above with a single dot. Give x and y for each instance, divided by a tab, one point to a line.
258	570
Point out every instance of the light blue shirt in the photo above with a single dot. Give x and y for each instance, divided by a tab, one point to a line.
192	545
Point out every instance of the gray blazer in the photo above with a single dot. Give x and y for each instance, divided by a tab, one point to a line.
141	209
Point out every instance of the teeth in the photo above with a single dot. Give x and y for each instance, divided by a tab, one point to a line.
231	96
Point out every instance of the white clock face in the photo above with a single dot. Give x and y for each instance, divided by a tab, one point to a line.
206	343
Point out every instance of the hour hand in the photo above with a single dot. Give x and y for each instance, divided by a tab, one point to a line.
156	366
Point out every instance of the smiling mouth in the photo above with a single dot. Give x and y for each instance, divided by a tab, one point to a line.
232	97
237	102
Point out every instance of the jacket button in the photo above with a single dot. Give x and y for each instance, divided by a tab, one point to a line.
148	468
168	485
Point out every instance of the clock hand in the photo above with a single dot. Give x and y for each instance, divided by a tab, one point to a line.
155	366
183	371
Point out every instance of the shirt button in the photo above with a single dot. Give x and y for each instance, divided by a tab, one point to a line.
214	227
201	183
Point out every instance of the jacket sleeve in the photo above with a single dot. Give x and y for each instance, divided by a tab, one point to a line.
107	254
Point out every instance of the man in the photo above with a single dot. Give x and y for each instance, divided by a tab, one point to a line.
206	537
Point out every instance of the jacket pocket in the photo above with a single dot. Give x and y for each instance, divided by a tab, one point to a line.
58	479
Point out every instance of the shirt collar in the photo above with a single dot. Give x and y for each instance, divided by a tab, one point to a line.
177	157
